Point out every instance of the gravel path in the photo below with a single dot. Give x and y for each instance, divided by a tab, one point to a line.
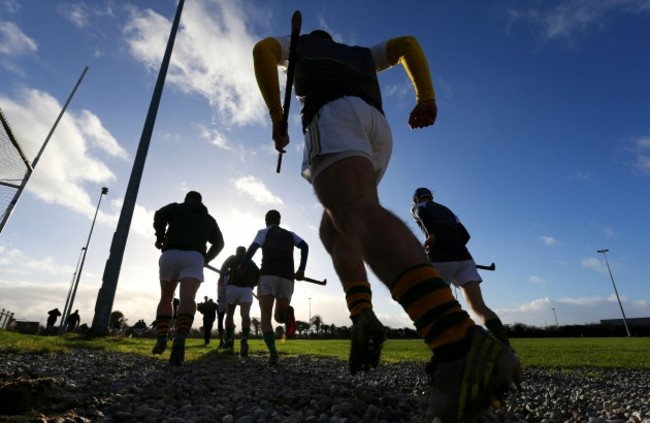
95	386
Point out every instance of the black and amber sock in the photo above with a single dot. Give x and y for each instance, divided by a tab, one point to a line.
245	332
497	330
437	316
184	324
162	325
359	298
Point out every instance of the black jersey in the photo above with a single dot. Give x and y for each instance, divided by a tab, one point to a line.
326	70
451	235
277	251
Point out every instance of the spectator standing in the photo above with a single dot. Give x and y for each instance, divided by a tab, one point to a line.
72	321
53	315
209	310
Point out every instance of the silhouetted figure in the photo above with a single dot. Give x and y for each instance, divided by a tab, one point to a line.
72	321
139	328
183	231
51	320
209	311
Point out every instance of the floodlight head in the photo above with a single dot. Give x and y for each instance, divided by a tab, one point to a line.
602	251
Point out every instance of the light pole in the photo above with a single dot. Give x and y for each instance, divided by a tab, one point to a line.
67	300
309	310
604	253
557	325
83	257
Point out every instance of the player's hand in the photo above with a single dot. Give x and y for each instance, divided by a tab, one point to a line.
429	242
299	275
280	136
160	244
423	114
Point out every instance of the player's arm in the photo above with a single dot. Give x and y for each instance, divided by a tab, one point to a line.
407	51
216	243
160	226
250	252
464	234
267	55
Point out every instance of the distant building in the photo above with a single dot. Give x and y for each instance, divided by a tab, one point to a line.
636	321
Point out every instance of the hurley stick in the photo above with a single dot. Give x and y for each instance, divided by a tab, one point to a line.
296	23
316	281
490	267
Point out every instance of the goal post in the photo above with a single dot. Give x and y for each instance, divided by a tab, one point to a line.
15	170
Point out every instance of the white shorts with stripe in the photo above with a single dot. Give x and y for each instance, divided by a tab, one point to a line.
344	128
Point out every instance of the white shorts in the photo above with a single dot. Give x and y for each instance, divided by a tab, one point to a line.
276	286
458	273
175	265
239	294
344	128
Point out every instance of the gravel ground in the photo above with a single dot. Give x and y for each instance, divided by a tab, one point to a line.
95	386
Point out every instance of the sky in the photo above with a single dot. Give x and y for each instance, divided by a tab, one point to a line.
541	146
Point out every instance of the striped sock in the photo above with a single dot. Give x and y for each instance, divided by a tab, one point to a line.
162	325
429	302
359	298
184	324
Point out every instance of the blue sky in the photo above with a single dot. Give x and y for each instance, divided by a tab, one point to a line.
542	145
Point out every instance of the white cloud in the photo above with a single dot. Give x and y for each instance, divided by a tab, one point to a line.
13	41
642	155
215	137
92	127
542	312
584	176
67	162
566	20
256	189
77	13
548	240
594	264
537	279
212	56
16	263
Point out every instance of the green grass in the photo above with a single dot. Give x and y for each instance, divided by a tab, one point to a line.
629	353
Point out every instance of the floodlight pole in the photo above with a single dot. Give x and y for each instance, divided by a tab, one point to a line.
74	278
557	325
66	313
106	295
604	253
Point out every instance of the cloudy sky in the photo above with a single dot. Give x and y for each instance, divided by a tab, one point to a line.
542	145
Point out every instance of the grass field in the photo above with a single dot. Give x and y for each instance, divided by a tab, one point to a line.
627	353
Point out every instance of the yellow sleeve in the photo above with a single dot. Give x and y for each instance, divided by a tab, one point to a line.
266	57
407	51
